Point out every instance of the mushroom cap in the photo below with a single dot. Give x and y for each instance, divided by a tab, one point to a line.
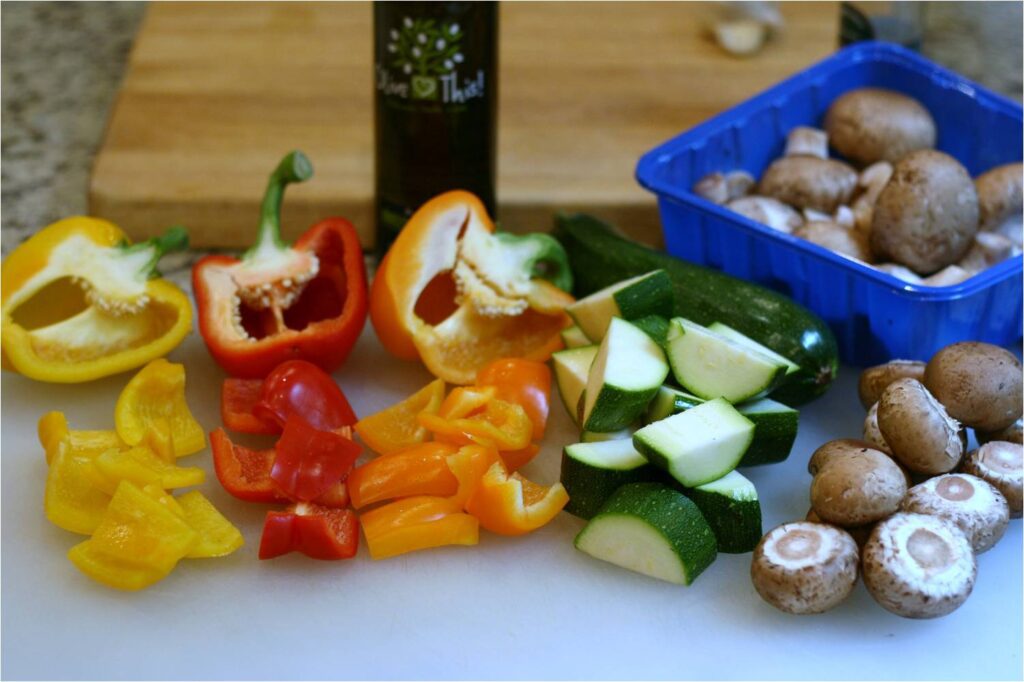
804	567
918	566
921	435
873	124
999	463
1014	433
873	380
836	238
840	447
767	211
809	182
862	487
968	502
872	434
980	384
1000	195
926	216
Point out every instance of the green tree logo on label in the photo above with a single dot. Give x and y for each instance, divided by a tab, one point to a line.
428	53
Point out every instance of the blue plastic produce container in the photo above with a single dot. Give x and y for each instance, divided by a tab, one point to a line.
875	316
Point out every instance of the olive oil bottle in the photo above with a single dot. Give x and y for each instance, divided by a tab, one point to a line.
435	79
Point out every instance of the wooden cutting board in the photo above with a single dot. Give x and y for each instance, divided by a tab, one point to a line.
216	93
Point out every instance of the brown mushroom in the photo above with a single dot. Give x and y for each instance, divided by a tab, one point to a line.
1001	200
927	214
1014	433
980	384
860	487
921	435
871	432
809	182
806	141
918	566
873	124
999	463
767	211
804	568
832	450
721	188
836	238
968	502
873	380
988	249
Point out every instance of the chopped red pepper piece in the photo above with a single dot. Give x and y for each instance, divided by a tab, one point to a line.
300	387
245	474
281	302
238	398
309	461
524	382
316	531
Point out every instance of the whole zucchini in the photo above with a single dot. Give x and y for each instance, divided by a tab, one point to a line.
600	257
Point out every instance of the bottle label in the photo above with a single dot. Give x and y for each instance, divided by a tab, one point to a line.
424	65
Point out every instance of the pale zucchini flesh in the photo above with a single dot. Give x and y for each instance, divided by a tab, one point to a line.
699	445
573	337
710	365
647	294
626	374
742	339
651	529
592	472
572	367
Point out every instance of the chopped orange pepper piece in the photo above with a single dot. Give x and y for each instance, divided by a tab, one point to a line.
509	504
523	382
400	475
396	428
158	391
517	459
466	400
416	523
469	465
501	425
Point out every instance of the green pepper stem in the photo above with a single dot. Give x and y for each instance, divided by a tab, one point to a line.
548	260
295	167
173	239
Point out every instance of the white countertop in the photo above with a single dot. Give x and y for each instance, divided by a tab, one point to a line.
528	607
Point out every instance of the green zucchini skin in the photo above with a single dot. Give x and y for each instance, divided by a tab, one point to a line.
600	257
736	523
589	487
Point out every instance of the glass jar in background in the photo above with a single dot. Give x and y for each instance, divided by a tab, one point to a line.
894	22
435	105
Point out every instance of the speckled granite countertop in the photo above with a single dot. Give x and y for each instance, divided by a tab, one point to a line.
62	62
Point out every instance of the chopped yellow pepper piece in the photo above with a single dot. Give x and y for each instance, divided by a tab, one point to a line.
142	466
138	542
217	536
158	392
54	434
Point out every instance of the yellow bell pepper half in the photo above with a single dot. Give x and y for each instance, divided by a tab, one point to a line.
157	393
79	302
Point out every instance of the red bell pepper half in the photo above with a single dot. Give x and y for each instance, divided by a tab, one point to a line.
245	474
316	531
280	302
309	461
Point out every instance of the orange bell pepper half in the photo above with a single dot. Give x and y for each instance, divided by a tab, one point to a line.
416	523
524	382
395	428
456	295
401	475
509	504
